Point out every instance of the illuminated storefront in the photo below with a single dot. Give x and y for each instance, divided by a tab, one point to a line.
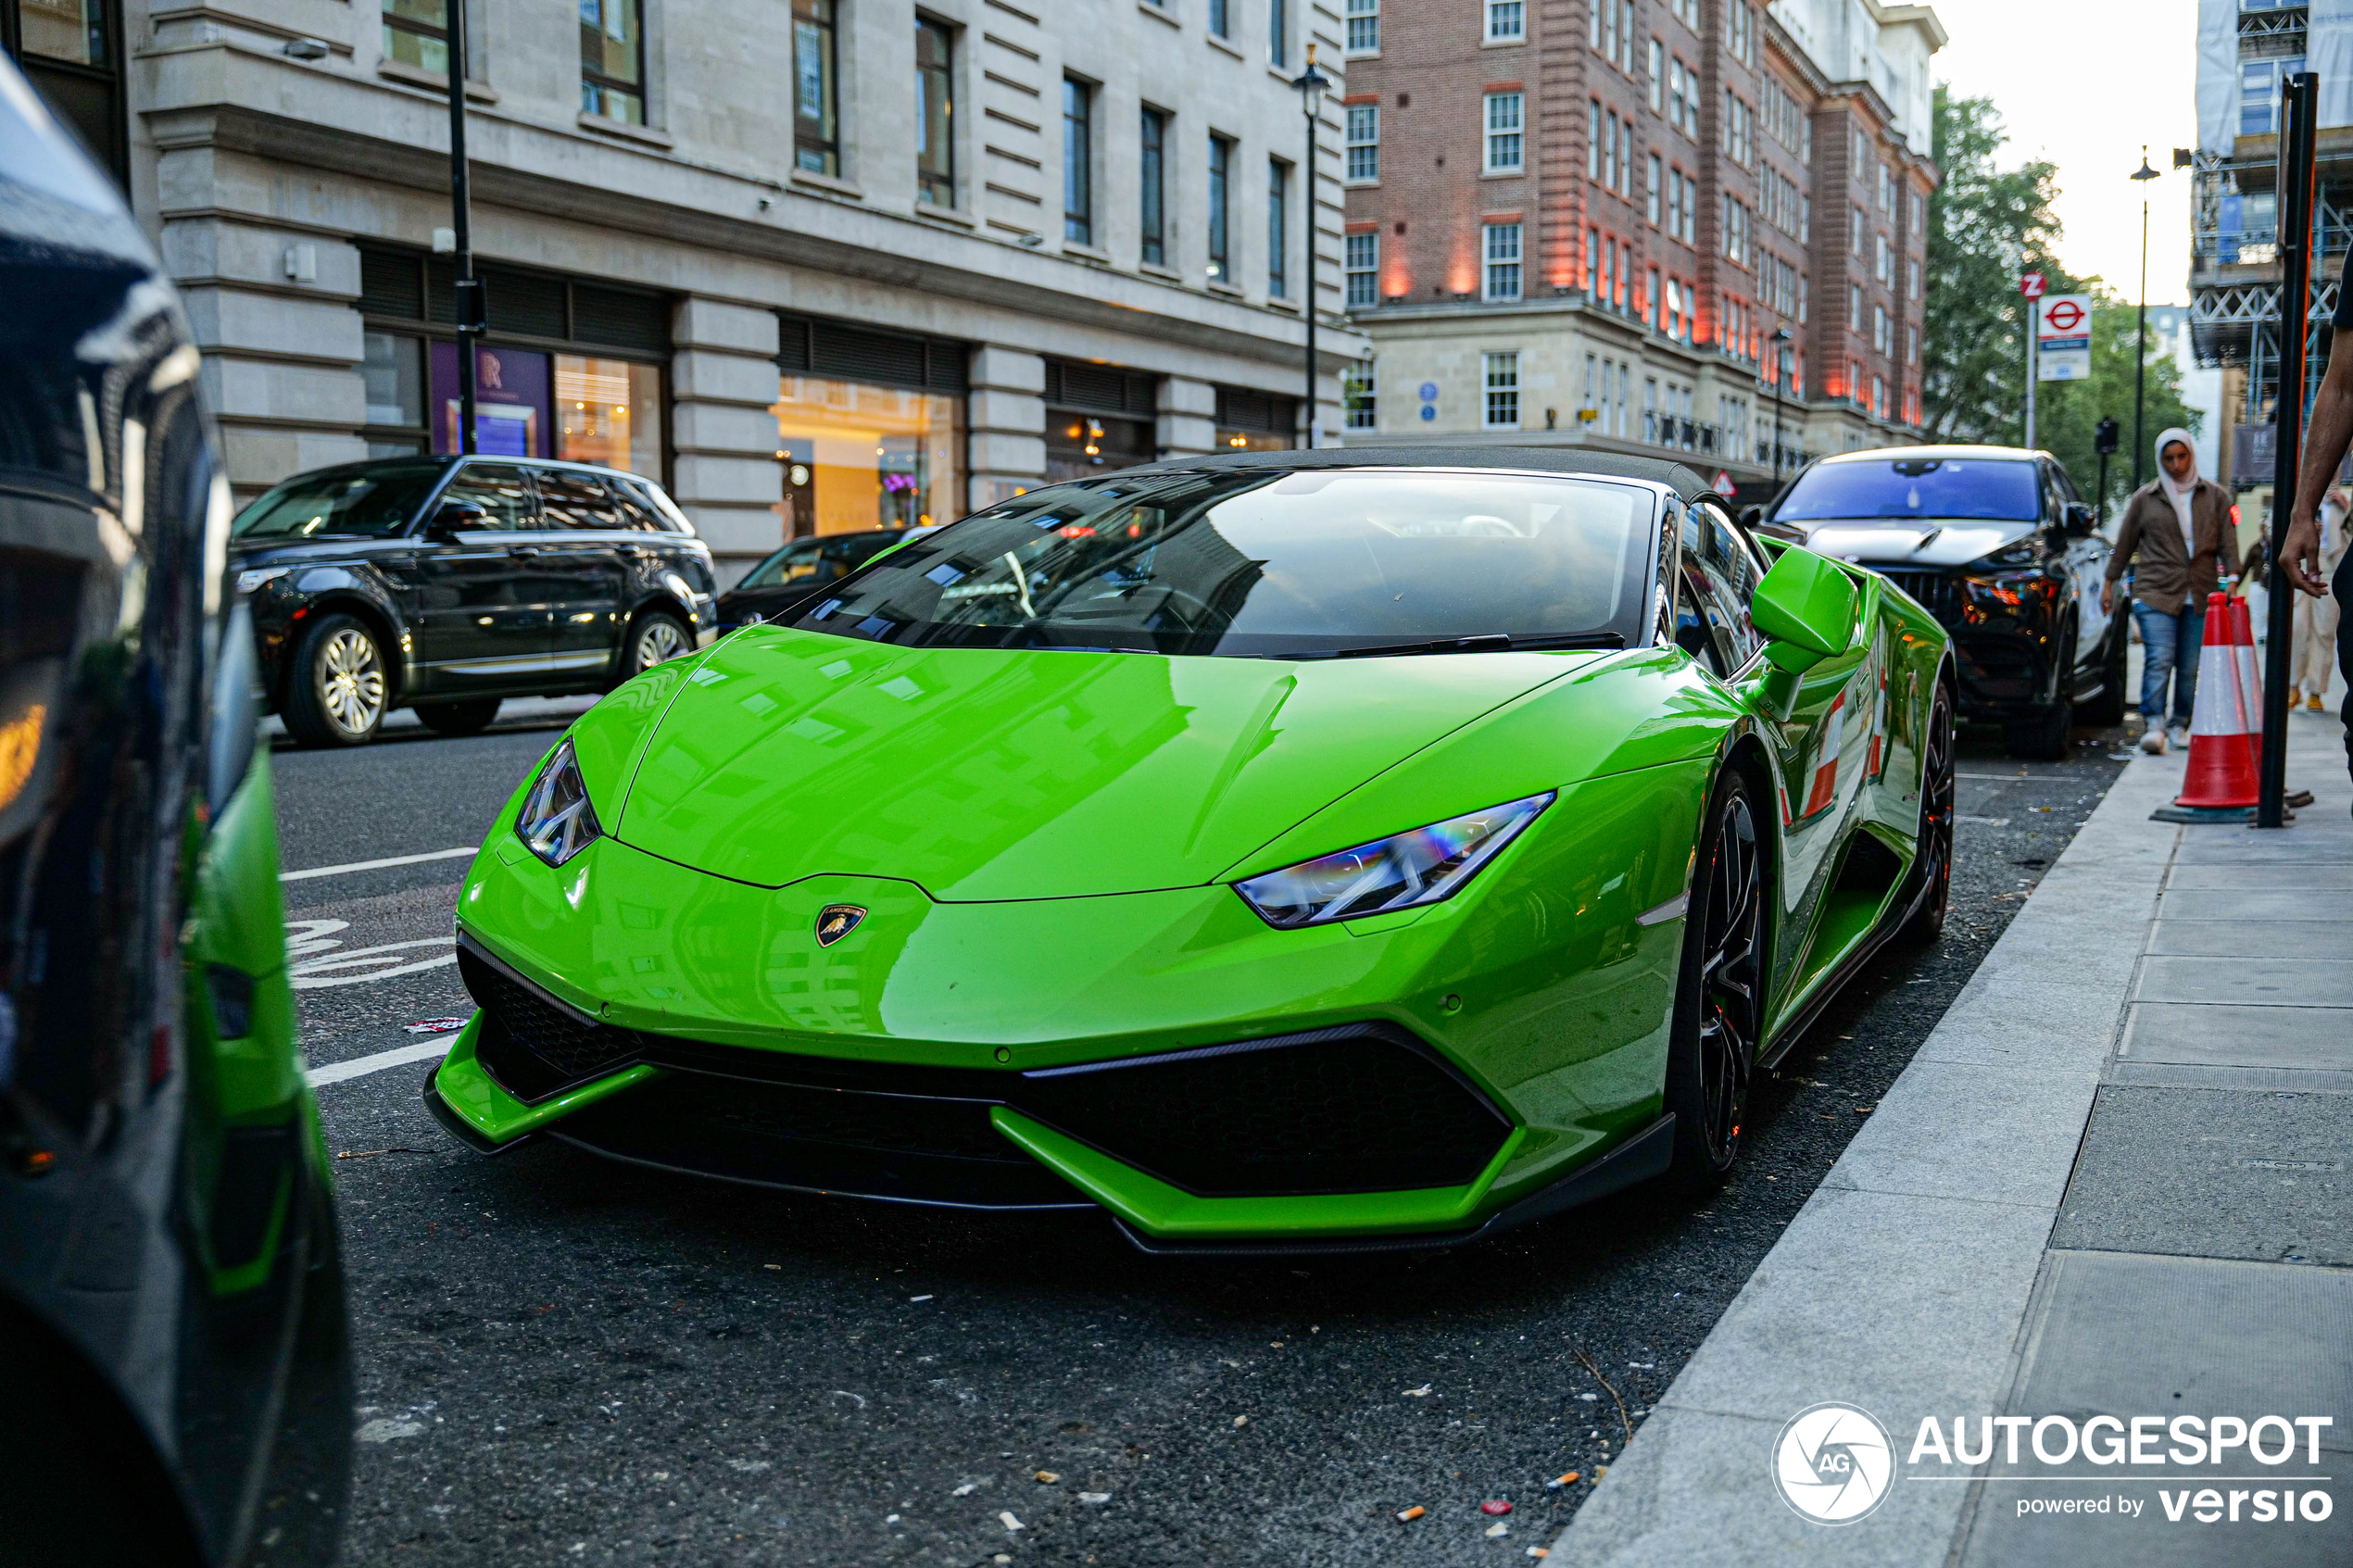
870	429
1099	417
1256	421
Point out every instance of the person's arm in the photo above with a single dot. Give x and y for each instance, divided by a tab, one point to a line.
2326	439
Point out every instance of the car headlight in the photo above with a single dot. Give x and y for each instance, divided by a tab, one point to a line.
557	822
248	580
1405	871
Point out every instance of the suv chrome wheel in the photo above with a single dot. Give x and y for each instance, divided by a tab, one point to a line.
658	641
351	680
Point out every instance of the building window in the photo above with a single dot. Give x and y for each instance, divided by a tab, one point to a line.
1912	346
1502	250
1361	257
858	457
1359	387
1279	31
1880	340
1657	75
935	122
1920	212
1652	200
1364	26
392	368
1912	279
1878	396
1078	161
1277	226
1651	301
816	128
1221	168
1364	142
413	33
1152	179
1854	230
1854	309
612	60
1506	21
1221	18
1501	372
1884	260
1503	132
1886	189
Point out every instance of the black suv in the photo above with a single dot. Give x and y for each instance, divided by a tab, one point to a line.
1995	542
446	584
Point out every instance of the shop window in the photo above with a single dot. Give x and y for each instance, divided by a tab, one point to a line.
935	124
1256	421
1098	418
860	458
816	114
612	60
392	367
1360	392
608	412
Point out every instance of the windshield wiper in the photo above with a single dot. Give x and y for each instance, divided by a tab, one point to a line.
1496	641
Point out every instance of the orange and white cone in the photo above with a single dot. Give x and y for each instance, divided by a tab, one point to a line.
2250	668
2221	771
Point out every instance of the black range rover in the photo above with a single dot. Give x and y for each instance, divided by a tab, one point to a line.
1996	543
447	585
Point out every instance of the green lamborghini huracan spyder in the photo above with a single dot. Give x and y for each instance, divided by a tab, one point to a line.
1287	851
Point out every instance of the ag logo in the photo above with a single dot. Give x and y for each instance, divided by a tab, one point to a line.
836	922
1833	1463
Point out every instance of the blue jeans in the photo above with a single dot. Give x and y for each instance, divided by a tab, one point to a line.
2170	647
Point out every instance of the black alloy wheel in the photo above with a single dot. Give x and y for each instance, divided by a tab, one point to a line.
1720	1011
457	718
1932	872
2046	731
336	691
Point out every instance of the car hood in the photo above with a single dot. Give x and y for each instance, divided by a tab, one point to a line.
985	773
1910	541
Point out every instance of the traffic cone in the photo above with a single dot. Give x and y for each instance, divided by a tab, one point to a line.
2221	770
2250	677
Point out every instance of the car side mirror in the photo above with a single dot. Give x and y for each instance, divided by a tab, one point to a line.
1805	608
453	518
2076	522
1751	516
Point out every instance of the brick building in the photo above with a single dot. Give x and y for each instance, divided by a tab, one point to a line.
1586	220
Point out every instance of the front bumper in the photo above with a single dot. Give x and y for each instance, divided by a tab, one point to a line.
2004	649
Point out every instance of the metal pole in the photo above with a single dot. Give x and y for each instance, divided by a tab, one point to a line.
2300	98
1312	103
468	296
2034	308
2140	351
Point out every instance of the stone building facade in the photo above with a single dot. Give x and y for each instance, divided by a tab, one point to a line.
819	266
1585	221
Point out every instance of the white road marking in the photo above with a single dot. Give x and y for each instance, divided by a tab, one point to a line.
378	865
314	974
361	1067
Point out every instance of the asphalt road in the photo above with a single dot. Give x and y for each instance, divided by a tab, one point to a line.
563	1360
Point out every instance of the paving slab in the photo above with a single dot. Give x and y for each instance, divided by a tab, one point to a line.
2231	938
2190	1076
1963	1131
2214	1173
2224	1034
2199	904
2312	981
2300	876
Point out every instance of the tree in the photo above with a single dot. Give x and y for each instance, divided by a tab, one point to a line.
1985	227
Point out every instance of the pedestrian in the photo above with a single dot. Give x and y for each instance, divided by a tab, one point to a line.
2180	540
2316	620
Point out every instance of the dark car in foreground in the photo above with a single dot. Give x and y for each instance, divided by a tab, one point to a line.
796	575
1996	543
175	1375
448	584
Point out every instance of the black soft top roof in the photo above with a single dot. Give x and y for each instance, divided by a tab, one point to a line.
1682	479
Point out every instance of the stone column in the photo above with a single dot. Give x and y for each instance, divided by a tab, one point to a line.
723	388
1008	414
1188	417
272	308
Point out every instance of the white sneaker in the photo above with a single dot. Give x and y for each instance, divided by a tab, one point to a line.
2179	735
2153	740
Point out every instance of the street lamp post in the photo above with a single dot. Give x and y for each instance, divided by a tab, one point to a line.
2141	329
1312	84
472	310
1781	375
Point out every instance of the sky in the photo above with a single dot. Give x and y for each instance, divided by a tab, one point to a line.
2084	84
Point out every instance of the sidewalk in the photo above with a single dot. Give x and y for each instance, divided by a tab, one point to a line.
2112	1181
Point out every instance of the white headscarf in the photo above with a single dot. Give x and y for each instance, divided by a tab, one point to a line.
2179	493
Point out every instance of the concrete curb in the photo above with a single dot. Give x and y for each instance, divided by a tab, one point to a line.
1903	1284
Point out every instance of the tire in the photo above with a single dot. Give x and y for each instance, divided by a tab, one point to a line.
2107	710
336	690
1932	882
655	638
457	718
2047	732
1719	995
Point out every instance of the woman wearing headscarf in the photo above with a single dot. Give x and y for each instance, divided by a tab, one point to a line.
2178	540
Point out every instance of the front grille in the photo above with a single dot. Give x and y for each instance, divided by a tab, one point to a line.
955	1128
1358	1108
531	1046
1939	593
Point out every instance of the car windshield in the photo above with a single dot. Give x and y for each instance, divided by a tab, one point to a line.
1247	564
816	561
1995	489
374	499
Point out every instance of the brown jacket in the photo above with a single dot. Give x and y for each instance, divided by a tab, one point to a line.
2166	577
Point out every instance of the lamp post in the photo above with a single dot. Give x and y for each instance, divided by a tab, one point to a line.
2141	329
1312	84
1780	376
472	309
